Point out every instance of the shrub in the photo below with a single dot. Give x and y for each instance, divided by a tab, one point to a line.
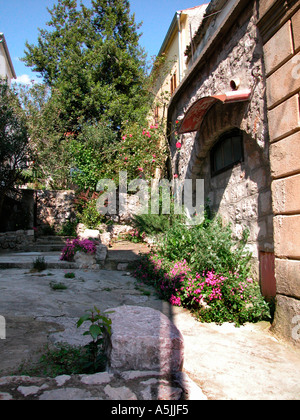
206	247
86	245
151	224
211	296
68	228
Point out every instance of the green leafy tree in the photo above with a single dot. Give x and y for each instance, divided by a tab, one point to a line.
50	143
14	144
92	57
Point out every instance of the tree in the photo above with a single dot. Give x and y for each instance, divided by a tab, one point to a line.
91	56
14	143
49	141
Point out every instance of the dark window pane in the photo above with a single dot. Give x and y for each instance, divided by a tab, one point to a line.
227	152
218	159
228	158
237	148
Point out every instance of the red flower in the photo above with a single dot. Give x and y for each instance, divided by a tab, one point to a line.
178	145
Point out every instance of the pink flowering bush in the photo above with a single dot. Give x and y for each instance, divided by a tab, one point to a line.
141	151
136	236
85	245
212	297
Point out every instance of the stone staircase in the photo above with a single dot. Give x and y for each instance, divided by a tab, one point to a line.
119	256
50	243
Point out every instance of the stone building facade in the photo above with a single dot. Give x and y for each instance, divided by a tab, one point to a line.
239	117
7	70
279	26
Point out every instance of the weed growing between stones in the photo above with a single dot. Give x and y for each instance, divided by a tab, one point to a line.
65	359
57	286
39	265
69	275
62	359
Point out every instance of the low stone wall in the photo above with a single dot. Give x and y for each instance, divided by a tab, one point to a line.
21	240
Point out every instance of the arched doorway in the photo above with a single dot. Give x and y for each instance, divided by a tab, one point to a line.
237	180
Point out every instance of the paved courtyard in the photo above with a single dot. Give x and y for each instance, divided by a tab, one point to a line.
225	362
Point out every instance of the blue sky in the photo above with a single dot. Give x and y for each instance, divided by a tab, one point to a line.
20	20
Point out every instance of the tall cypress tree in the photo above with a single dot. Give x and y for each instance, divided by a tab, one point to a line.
92	61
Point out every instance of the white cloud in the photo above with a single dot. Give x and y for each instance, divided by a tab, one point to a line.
24	80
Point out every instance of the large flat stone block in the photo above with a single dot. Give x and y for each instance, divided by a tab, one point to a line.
283	163
144	339
287	319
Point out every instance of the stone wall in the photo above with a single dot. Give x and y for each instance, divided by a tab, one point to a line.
242	194
54	208
21	240
279	25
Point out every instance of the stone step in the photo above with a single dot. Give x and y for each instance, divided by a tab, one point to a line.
25	260
52	247
123	255
120	257
53	239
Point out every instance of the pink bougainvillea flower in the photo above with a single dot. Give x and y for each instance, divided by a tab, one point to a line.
124	138
154	156
178	145
140	169
175	176
126	158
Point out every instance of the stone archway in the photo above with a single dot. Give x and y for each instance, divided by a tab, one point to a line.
241	194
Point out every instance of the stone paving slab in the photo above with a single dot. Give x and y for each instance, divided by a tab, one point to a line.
129	386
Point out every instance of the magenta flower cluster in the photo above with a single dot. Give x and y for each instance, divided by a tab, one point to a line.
72	246
182	287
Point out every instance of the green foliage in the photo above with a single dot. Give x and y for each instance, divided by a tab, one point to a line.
68	228
39	264
86	209
70	275
210	296
90	216
58	286
151	224
100	325
94	79
141	151
14	144
90	154
63	359
92	57
52	158
205	269
207	246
